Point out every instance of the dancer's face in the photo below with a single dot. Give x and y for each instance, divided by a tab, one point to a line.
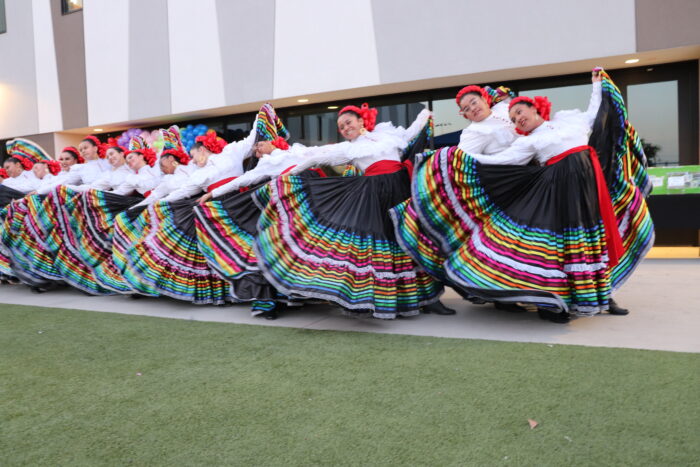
88	151
115	158
168	164
474	108
135	161
14	169
40	170
67	160
200	156
350	126
525	117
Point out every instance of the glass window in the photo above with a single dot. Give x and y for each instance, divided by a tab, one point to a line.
71	6
653	110
3	21
447	118
236	131
564	97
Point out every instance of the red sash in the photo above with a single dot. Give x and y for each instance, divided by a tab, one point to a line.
389	167
607	213
216	185
147	194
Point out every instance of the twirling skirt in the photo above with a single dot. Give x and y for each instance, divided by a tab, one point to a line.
226	230
168	260
510	233
7	195
331	238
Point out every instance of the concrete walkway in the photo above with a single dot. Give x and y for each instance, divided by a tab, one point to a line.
663	296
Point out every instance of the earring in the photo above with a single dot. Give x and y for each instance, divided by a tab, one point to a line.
363	130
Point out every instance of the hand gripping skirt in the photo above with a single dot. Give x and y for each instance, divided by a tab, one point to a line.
168	260
331	238
532	234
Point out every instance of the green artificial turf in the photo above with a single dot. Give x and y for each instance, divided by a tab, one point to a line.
213	394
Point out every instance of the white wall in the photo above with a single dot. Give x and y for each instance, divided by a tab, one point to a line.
323	46
47	89
195	55
106	25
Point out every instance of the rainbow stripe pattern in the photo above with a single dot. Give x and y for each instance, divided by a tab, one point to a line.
359	271
168	259
452	222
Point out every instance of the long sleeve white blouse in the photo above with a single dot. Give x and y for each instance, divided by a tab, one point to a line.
169	183
144	180
87	172
229	163
568	129
385	142
493	134
25	182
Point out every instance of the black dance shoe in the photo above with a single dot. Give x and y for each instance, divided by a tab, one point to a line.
561	317
438	308
615	309
272	314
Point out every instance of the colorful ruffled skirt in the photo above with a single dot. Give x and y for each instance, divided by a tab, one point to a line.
167	260
532	234
332	239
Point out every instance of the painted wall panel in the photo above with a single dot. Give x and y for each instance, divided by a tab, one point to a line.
416	40
48	92
196	75
107	60
322	46
149	59
18	105
671	23
247	36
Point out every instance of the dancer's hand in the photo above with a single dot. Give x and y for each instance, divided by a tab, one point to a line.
596	75
203	199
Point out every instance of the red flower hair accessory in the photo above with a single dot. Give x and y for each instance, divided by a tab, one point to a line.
212	142
367	114
181	156
148	154
96	141
4	174
541	104
27	164
111	143
472	88
280	143
54	167
72	150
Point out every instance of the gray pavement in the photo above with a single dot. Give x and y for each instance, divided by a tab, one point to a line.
663	296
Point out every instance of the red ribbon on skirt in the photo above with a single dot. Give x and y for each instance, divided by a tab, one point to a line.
389	167
216	185
607	213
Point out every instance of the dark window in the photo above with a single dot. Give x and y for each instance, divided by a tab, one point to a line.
3	20
71	6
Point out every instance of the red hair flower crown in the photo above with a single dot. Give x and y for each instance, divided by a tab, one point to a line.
180	155
72	150
27	164
111	143
472	88
54	167
542	105
368	114
211	141
139	146
280	143
4	174
97	143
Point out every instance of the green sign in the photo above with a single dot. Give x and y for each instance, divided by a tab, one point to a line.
675	180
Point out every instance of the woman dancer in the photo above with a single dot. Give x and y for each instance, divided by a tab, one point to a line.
545	234
331	238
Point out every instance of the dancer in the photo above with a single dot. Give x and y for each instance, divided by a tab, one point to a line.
543	234
331	238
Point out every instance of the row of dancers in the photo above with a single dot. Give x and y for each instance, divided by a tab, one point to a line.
530	212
